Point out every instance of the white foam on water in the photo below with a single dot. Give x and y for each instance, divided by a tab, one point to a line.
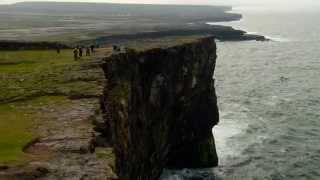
270	37
212	23
233	122
232	24
228	23
254	33
278	39
189	174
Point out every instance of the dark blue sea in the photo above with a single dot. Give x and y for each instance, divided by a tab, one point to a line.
269	100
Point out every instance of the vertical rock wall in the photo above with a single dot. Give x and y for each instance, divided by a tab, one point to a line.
160	106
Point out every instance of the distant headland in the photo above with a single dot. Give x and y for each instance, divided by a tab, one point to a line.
72	23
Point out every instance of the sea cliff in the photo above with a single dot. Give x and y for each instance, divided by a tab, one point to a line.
159	108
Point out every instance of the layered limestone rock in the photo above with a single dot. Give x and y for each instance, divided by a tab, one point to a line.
160	106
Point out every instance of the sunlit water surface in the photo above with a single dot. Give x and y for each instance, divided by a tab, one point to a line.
269	99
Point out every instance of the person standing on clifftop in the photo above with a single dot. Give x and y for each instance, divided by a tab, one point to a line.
75	54
58	49
92	48
87	51
80	52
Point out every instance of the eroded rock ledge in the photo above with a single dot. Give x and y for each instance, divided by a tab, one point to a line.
160	106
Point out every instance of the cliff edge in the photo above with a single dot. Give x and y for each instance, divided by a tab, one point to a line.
159	108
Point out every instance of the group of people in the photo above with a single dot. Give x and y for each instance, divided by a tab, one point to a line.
78	52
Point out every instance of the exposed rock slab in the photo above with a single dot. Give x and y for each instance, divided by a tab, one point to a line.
64	149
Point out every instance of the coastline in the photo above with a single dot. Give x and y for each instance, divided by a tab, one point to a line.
113	23
221	33
83	144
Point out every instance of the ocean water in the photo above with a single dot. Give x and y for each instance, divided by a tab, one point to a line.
269	99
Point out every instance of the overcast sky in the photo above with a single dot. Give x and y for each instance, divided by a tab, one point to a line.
284	4
235	2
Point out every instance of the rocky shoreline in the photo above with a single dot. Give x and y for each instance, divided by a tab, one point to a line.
221	33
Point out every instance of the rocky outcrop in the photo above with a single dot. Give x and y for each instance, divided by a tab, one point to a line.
160	106
222	33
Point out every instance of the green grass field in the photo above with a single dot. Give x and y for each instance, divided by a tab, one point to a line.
14	125
17	121
25	74
29	80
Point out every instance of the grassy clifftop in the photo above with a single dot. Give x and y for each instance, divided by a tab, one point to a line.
32	73
48	102
17	126
30	80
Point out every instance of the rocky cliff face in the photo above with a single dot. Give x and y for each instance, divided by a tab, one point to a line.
160	106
